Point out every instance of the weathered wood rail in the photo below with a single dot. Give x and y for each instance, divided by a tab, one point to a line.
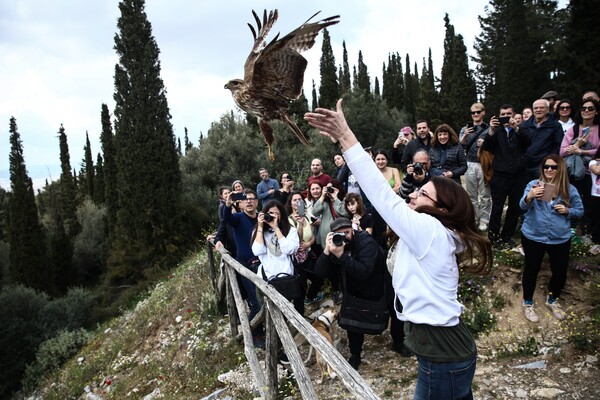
277	313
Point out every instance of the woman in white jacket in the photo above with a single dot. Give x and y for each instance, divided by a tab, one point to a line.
437	225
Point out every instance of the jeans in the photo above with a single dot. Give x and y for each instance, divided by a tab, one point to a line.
478	191
445	381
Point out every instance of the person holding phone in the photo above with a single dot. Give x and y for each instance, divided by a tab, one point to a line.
508	144
305	258
550	203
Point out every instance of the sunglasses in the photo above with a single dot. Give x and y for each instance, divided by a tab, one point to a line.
552	167
476	112
588	108
564	107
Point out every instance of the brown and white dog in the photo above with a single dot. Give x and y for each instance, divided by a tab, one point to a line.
323	325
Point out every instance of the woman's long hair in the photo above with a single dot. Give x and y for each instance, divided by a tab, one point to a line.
561	178
288	203
360	206
455	211
284	223
579	119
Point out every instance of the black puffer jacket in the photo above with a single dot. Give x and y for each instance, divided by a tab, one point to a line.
364	267
456	161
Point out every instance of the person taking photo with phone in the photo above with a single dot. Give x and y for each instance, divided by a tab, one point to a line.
550	203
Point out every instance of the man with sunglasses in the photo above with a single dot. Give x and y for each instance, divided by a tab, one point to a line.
471	138
508	145
546	136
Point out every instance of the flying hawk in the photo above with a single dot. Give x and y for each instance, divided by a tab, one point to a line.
274	73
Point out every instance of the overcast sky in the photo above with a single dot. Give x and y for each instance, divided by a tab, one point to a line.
58	59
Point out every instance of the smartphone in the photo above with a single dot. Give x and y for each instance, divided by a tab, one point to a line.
549	192
313	219
585	131
238	196
503	120
469	125
301	208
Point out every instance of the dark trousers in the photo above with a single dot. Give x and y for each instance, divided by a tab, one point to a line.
595	218
502	188
559	261
584	187
355	342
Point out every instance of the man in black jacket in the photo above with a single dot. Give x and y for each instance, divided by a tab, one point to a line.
362	260
508	144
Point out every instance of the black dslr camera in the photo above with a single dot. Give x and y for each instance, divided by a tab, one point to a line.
418	168
339	239
267	217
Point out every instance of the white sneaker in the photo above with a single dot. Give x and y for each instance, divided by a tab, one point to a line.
557	311
530	313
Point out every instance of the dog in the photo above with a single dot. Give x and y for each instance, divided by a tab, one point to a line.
323	325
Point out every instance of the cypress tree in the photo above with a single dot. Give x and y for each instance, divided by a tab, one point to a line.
27	264
376	91
99	188
89	168
315	102
409	93
67	188
362	78
428	102
329	90
148	176
188	145
109	170
457	87
345	84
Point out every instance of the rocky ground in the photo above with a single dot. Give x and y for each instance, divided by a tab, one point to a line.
517	359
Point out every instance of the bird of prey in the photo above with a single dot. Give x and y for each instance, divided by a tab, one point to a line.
274	73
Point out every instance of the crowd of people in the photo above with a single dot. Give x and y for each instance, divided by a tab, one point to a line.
447	196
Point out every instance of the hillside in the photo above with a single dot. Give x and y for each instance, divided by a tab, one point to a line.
175	343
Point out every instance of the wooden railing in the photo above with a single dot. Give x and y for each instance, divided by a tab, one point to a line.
277	312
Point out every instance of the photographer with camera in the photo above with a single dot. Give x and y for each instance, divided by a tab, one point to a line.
358	256
417	174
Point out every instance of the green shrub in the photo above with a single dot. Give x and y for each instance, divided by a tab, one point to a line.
52	354
21	332
69	312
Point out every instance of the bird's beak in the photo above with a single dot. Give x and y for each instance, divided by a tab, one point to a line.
226	87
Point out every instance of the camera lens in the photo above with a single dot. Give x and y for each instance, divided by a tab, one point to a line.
267	217
338	239
418	169
329	189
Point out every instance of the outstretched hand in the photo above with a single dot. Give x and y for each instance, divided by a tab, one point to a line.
332	124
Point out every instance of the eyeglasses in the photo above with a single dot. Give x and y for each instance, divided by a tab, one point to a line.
476	112
588	108
564	107
421	192
552	167
251	198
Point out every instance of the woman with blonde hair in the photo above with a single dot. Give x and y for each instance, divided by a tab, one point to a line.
550	203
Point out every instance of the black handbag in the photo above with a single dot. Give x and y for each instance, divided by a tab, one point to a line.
362	315
287	285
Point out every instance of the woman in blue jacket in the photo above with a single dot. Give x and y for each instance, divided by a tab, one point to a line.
547	228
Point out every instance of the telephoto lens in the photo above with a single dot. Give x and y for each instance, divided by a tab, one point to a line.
338	239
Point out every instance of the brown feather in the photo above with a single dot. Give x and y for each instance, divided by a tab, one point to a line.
274	73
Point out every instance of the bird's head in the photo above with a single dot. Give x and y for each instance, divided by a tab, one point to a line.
234	85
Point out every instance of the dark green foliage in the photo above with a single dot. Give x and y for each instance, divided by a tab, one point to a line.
576	56
328	90
188	144
345	84
27	263
21	332
88	168
514	51
28	319
457	87
410	98
52	354
393	82
377	91
99	187
60	254
67	189
428	100
148	177
315	102
362	78
110	171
